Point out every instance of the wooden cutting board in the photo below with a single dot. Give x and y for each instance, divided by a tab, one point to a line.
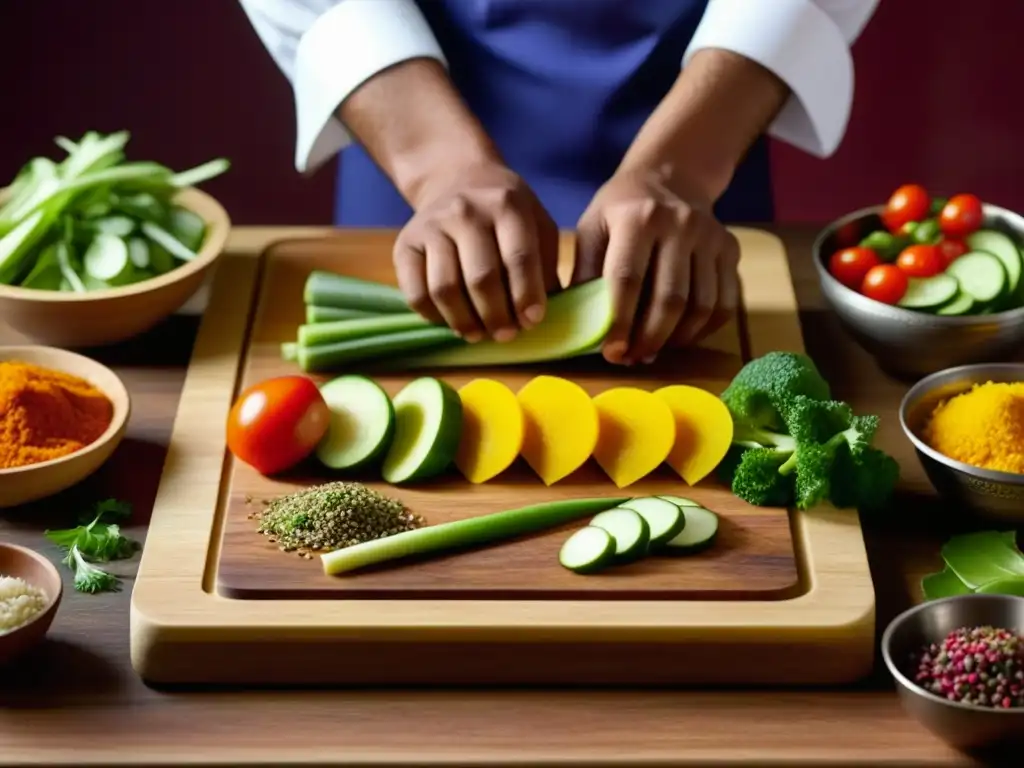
781	597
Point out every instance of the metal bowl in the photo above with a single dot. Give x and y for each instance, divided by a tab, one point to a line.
904	342
989	494
964	726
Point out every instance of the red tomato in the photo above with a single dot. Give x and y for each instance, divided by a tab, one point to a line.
277	423
961	216
921	260
850	265
908	203
885	283
951	250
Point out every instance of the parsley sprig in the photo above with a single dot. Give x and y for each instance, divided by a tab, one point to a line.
97	539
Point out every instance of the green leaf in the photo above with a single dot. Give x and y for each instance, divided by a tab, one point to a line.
980	558
945	583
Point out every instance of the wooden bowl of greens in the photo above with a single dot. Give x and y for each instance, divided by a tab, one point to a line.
95	250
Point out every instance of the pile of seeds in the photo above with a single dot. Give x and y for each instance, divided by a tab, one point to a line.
332	516
983	666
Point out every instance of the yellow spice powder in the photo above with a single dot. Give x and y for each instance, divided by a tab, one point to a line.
983	427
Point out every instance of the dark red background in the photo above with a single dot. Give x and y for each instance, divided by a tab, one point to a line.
938	102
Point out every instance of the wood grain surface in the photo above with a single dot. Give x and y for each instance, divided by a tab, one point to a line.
753	557
75	701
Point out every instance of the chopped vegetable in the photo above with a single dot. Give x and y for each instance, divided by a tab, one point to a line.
629	529
636	432
492	430
318	314
703	431
699	533
665	519
328	357
361	426
89	205
472	531
588	550
561	427
792	444
275	424
428	427
327	289
338	331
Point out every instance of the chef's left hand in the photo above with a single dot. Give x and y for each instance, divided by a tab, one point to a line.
670	264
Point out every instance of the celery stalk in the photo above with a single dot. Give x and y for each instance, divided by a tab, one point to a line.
200	173
461	533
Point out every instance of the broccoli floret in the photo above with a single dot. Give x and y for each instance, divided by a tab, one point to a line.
758	481
761	392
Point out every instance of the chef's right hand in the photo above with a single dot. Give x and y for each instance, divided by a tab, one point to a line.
480	254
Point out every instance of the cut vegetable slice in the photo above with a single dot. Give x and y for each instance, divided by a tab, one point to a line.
167	241
1003	248
637	431
463	533
680	501
315	314
106	259
361	328
704	430
981	275
588	550
961	305
629	529
577	319
699	533
331	290
664	519
138	253
560	427
428	426
326	357
362	423
121	226
929	293
492	430
187	227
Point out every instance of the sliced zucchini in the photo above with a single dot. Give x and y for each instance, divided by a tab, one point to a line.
664	519
961	305
362	423
981	275
930	293
589	549
629	529
680	501
1003	248
428	428
106	259
699	533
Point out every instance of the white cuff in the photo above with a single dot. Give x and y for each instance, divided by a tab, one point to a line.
804	47
345	47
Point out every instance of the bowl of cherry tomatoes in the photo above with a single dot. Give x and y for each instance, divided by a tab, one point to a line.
926	283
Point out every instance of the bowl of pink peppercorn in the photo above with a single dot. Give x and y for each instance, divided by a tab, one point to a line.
959	668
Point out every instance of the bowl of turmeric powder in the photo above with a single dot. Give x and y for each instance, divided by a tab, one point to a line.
967	426
62	415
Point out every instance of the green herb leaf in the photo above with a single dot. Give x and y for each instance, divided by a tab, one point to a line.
983	557
108	511
89	578
945	583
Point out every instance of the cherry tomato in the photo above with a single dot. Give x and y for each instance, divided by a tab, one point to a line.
961	216
951	250
921	260
908	203
885	283
850	265
277	423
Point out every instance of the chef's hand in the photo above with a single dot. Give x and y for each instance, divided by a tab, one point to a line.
480	254
670	265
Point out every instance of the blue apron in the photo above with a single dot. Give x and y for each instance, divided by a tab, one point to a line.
562	86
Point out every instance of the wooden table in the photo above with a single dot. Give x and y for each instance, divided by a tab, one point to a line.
77	701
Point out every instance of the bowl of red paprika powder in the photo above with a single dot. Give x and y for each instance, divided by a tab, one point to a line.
62	415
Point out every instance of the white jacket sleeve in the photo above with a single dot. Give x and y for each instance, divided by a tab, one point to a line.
806	43
327	49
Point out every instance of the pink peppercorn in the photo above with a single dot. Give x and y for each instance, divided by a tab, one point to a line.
983	666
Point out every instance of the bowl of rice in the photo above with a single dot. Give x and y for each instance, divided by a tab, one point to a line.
30	592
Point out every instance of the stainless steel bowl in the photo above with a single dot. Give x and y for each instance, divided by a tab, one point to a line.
992	495
963	726
906	343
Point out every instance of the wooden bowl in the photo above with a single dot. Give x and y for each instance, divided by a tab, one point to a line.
60	319
20	485
35	569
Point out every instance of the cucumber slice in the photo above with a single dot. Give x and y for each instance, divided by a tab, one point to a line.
699	533
680	501
589	549
428	428
929	293
664	519
362	423
138	252
188	227
121	226
629	529
106	259
982	276
961	305
1003	248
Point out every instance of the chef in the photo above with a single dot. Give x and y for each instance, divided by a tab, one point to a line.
481	127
